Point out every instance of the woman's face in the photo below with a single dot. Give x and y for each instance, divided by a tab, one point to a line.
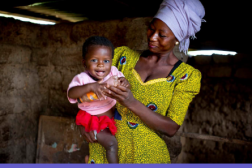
98	61
160	37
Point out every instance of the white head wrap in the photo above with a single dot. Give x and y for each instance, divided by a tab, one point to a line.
183	17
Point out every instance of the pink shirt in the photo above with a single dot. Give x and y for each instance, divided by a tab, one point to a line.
94	107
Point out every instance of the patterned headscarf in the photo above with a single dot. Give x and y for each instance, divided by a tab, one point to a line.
183	17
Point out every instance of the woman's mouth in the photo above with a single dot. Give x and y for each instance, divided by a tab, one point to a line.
151	46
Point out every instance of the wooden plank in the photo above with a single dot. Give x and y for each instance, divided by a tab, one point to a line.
59	141
213	138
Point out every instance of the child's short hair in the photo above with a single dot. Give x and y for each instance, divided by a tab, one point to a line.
96	40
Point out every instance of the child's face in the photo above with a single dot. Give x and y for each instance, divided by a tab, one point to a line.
98	61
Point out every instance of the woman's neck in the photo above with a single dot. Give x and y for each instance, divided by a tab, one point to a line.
167	58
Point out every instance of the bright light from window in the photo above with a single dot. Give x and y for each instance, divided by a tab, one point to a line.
27	19
210	52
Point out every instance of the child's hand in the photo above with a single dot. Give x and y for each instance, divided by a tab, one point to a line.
97	89
122	81
112	81
88	136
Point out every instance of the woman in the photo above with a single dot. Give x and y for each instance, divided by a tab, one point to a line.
161	86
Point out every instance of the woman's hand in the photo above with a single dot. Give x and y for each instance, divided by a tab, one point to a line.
124	82
120	93
88	136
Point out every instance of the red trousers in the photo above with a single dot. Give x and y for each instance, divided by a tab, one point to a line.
91	122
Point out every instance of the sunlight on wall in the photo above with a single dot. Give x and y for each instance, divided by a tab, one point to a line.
210	52
28	20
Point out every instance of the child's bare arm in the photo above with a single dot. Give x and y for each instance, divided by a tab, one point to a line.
80	91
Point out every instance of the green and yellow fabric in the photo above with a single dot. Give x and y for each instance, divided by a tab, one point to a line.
167	96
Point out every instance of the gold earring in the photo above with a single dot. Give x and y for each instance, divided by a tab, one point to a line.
177	43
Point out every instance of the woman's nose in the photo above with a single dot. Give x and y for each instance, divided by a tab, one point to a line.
153	36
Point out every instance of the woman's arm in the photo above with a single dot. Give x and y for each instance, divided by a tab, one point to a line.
153	120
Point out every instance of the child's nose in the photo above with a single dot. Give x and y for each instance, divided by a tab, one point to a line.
100	64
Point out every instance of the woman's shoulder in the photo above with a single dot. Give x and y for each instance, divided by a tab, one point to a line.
185	71
122	48
188	68
125	54
125	50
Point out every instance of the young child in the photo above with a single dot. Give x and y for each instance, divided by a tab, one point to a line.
97	111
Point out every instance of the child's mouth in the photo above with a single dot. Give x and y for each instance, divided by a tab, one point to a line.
100	73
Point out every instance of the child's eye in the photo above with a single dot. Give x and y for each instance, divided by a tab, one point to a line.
106	61
94	60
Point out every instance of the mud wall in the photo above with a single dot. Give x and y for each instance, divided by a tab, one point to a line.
36	65
223	108
38	62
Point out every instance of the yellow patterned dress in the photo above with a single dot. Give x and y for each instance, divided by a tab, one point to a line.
167	96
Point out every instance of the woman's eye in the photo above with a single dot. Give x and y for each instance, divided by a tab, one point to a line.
106	61
94	60
162	35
